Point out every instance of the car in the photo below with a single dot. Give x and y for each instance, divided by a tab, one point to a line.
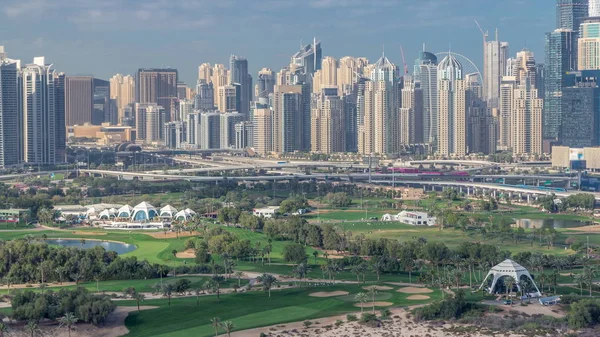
508	302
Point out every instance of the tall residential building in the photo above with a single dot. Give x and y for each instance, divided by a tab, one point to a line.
175	134
452	119
594	8
263	130
238	73
205	96
588	45
411	112
507	87
350	70
495	56
9	113
205	72
426	73
309	59
157	86
378	132
227	132
186	107
38	113
219	78
265	83
288	121
210	130
560	58
122	90
581	103
244	135
328	74
149	123
327	122
193	129
570	14
228	98
59	118
526	120
79	96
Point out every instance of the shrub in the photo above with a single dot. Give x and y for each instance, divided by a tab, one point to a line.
369	320
307	324
351	318
385	314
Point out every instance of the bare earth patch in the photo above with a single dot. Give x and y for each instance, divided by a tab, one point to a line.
414	290
378	288
589	229
36	285
418	297
171	235
377	304
186	254
328	294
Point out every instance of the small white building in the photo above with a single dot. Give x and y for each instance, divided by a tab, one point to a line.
411	218
267	212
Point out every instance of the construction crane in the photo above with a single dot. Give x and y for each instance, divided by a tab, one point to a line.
485	34
404	61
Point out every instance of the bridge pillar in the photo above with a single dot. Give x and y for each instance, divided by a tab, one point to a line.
528	199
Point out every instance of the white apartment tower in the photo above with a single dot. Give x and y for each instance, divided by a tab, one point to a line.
327	122
122	90
495	56
452	122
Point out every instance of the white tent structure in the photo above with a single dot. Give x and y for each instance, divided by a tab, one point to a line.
184	215
124	212
511	269
168	212
143	212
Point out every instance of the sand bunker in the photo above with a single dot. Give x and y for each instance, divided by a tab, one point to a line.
186	254
418	297
414	290
171	235
89	233
378	288
377	304
328	294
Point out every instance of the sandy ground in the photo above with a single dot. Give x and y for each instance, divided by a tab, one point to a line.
414	290
587	229
418	297
401	325
36	285
370	304
535	308
379	288
171	235
328	294
114	326
186	254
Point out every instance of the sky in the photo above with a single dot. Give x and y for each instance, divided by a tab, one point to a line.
105	37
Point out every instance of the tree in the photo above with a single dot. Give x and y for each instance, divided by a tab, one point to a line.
301	270
362	298
377	266
3	329
588	274
315	254
579	279
32	327
509	283
216	323
294	253
138	297
267	281
228	326
68	320
239	275
167	290
373	292
197	292
213	286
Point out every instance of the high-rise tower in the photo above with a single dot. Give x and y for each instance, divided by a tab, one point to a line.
426	73
122	90
570	14
157	86
9	114
588	45
238	72
496	54
452	118
594	8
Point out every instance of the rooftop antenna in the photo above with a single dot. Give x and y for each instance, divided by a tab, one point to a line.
404	61
423	47
383	53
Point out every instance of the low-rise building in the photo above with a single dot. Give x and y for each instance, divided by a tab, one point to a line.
266	212
411	218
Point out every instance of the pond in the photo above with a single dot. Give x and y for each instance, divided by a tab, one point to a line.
119	247
556	223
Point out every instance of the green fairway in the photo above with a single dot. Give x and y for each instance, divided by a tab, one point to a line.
248	310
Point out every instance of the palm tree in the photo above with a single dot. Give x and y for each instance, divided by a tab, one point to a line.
197	291
373	292
239	275
588	274
509	283
268	281
301	270
68	320
32	327
362	298
554	278
579	279
228	326
315	254
216	323
167	290
138	297
3	329
82	242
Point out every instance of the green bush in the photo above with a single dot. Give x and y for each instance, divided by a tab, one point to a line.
351	318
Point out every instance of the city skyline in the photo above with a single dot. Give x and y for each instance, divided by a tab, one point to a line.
96	33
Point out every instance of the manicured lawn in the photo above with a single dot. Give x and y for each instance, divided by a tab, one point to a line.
248	310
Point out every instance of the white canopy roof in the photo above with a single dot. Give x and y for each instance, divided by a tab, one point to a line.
143	206
170	210
508	268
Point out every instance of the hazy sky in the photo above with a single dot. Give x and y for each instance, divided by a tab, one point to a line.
104	37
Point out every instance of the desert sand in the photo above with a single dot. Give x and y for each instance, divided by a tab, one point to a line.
186	254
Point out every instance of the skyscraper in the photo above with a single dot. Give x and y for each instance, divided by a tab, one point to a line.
288	121
79	96
327	122
581	105
174	134
495	56
149	123
210	130
238	72
38	117
227	124
526	120
588	45
570	14
411	113
227	99
9	114
309	59
452	115
265	84
59	120
205	72
205	96
350	70
426	73
122	89
157	86
263	130
219	78
594	8
104	109
560	58
507	87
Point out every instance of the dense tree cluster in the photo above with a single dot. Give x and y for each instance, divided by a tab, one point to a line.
28	305
339	199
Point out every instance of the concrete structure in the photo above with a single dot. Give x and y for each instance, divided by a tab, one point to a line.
9	114
59	118
411	112
495	54
452	123
580	126
425	72
291	118
411	218
594	8
157	86
79	95
571	13
104	134
104	109
526	120
509	268
265	83
561	156
210	131
238	73
227	125
175	134
193	129
149	123
244	134
228	99
588	45
219	78
350	70
267	212
205	96
37	125
122	90
308	59
327	122
263	131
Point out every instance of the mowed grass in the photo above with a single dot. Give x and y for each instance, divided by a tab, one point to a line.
248	310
